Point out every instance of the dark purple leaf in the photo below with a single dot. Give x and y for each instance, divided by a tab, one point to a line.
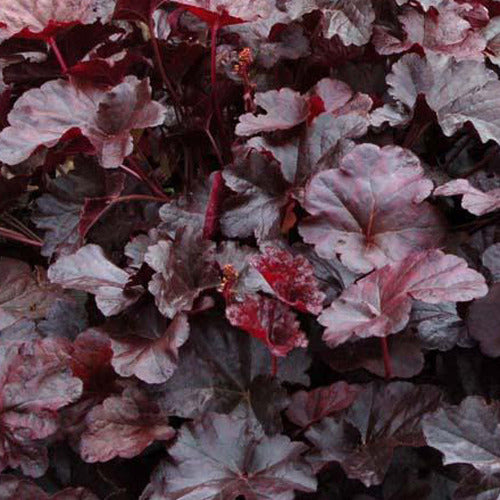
381	418
255	466
221	367
16	488
307	408
467	433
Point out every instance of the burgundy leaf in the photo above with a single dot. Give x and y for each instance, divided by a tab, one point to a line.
25	293
467	433
370	221
291	278
90	360
94	208
187	210
58	209
184	268
449	90
336	114
42	116
351	20
268	320
123	426
152	360
447	29
89	270
491	259
307	408
35	382
483	320
438	326
477	486
16	488
42	18
230	456
381	418
259	204
475	201
380	304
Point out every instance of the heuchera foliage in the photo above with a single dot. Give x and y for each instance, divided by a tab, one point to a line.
249	249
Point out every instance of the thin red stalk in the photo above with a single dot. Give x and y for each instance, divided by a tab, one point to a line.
274	365
132	172
213	54
387	358
161	68
17	224
139	174
57	52
139	197
121	199
14	235
216	193
214	145
213	207
213	79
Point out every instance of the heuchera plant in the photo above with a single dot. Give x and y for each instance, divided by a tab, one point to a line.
249	249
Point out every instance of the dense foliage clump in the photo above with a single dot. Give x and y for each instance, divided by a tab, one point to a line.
249	249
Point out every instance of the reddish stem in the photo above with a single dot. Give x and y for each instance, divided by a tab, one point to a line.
161	68
213	208
387	358
14	235
137	172
121	199
213	54
57	52
274	365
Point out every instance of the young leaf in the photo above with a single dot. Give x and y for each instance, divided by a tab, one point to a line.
284	108
291	278
268	320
